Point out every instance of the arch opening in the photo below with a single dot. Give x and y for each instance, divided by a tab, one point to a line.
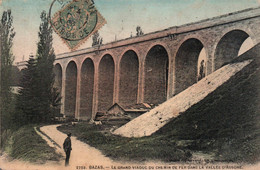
229	46
186	66
247	45
128	84
70	89
58	82
58	77
202	65
86	92
106	83
156	75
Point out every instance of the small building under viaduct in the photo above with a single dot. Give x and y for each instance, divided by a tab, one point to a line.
150	68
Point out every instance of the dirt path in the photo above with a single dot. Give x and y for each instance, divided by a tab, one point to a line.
82	154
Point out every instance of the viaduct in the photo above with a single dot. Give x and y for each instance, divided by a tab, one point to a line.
150	68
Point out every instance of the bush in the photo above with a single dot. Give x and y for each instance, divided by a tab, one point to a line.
27	145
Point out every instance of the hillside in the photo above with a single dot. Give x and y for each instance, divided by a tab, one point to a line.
224	126
150	122
228	120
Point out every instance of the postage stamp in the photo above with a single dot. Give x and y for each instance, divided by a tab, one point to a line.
76	22
163	85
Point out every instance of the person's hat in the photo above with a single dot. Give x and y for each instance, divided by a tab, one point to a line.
69	134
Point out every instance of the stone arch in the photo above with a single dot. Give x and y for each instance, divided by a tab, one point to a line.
156	75
186	64
107	52
106	82
70	89
128	81
135	50
87	87
247	45
228	47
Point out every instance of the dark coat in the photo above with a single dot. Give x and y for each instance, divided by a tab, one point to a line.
67	144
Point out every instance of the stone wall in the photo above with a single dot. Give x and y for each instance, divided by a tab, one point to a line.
156	66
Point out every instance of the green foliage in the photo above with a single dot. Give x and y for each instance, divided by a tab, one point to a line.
27	100
6	35
45	58
38	99
138	149
96	39
27	145
139	31
15	76
6	135
55	102
227	121
223	127
6	42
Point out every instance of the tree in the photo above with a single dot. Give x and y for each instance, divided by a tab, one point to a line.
27	102
139	31
45	59
15	76
6	42
55	102
35	101
96	39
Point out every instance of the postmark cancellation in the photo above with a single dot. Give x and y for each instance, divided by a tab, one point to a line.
76	22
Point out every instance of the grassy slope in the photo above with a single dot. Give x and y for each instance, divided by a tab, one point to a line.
137	149
27	145
225	123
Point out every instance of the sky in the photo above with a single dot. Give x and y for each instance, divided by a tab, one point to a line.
122	17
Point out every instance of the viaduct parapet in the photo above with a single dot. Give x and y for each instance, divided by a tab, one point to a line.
150	68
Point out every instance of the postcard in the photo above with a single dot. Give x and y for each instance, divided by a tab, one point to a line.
137	84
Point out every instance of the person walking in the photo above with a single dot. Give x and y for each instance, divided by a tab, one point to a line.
201	71
67	148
